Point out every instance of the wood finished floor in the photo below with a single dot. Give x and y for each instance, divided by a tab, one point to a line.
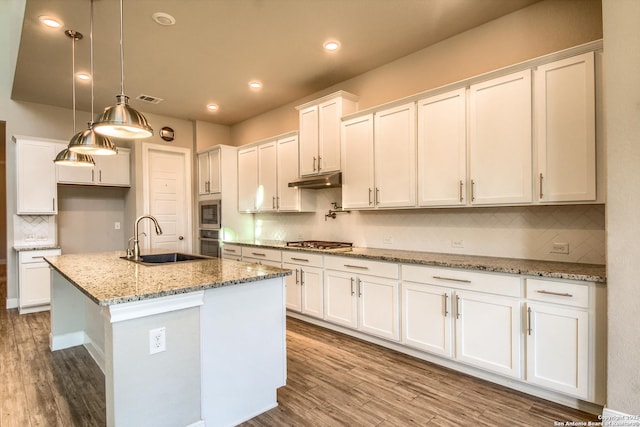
333	380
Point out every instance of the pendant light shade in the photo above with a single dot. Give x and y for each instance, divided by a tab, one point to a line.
121	120
92	143
69	158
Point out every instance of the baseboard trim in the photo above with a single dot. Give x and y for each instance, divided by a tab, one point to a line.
12	303
612	418
71	339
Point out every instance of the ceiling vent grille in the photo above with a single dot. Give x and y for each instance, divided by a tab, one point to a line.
149	99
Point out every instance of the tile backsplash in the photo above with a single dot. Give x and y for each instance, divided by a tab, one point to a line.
515	232
34	229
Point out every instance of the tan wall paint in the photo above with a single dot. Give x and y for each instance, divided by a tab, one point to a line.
542	28
210	134
622	101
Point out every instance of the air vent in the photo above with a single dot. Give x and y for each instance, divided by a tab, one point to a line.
149	99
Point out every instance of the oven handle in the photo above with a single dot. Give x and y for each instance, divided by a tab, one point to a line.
206	239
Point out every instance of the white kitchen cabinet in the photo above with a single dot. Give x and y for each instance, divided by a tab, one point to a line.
209	172
247	179
36	176
442	156
395	156
231	251
566	130
500	140
267	177
357	163
427	319
320	132
262	256
113	171
34	280
362	295
557	333
305	285
290	198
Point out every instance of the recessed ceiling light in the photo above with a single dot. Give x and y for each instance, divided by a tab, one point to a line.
212	107
83	76
163	18
50	21
332	45
255	84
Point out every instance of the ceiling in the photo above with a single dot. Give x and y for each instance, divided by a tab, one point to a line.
217	46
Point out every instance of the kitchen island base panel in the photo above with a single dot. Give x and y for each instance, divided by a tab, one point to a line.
225	352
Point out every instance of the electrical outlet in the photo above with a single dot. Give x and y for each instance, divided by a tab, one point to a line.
388	240
457	243
116	225
157	340
560	248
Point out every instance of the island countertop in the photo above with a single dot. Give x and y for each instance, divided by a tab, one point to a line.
107	279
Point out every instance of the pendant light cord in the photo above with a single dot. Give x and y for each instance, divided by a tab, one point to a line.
91	56
73	79
121	49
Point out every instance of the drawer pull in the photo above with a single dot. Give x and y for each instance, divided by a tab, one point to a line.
529	320
297	280
359	284
457	307
446	297
558	294
356	266
230	250
258	254
451	279
37	257
300	259
352	292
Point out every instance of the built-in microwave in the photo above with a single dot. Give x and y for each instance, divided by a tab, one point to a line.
209	214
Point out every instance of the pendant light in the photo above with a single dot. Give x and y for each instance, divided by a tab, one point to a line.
121	120
67	157
90	142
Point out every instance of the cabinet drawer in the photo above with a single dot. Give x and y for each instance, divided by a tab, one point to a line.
464	279
558	292
302	258
37	256
261	253
231	250
361	266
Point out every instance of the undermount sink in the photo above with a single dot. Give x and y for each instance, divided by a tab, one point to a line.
153	259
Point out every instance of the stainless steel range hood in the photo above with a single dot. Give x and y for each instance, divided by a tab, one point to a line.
333	179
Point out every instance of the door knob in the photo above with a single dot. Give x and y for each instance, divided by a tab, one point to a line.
180	238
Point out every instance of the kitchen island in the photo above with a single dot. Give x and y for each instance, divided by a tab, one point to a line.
180	344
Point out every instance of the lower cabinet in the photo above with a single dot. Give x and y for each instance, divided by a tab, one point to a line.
270	257
232	252
34	281
305	285
368	303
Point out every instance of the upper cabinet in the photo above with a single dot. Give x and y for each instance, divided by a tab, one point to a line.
247	179
320	132
442	145
500	140
565	130
357	163
36	176
290	198
112	171
209	179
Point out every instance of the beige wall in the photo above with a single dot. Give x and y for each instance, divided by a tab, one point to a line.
209	134
622	98
542	28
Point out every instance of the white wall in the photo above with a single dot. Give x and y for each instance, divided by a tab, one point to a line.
622	110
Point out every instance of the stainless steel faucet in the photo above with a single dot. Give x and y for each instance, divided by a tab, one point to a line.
136	242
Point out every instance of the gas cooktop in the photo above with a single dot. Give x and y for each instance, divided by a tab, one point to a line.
320	244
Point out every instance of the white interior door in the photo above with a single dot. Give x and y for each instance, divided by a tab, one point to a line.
167	199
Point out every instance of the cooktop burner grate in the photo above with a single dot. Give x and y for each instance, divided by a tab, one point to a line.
320	244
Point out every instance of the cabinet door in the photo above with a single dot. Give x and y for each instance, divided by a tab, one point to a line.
267	177
341	303
557	348
35	284
293	285
566	129
442	157
395	157
357	163
312	286
215	179
114	170
36	177
288	198
488	332
330	113
500	140
247	179
309	141
203	173
426	318
73	174
378	303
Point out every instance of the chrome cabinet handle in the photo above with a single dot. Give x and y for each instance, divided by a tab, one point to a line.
297	280
100	175
93	178
314	164
230	250
361	267
351	280
451	279
558	294
302	277
457	307
369	195
377	198
300	259
460	191
319	158
359	283
258	254
53	204
446	297
529	320
37	257
473	190
277	202
273	202
541	185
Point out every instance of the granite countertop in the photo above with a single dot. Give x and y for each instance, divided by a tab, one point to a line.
107	279
35	247
552	269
